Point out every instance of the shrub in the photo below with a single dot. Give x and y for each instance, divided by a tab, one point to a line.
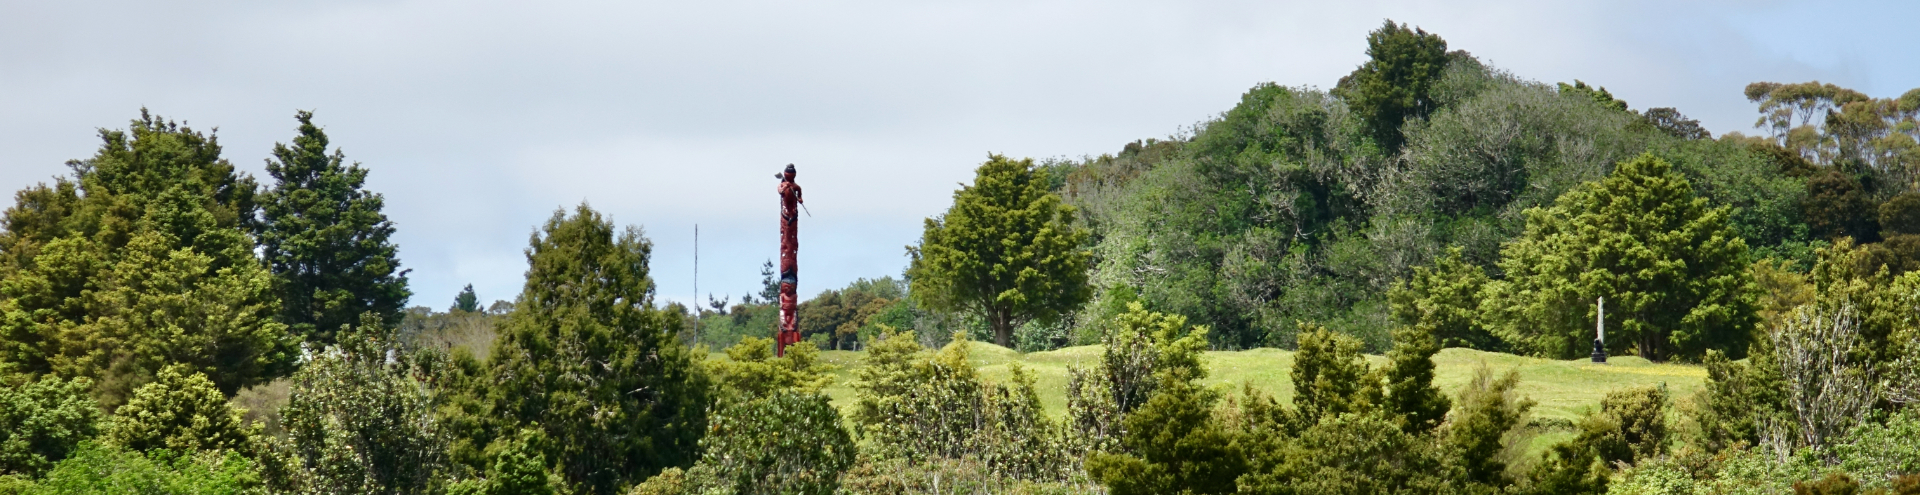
41	421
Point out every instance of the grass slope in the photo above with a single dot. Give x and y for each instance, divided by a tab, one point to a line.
1562	389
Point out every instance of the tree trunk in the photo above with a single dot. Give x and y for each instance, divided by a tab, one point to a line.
1002	330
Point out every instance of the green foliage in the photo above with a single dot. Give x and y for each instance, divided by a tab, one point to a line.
1170	442
1410	394
1478	436
1393	85
1350	453
1739	399
1879	451
465	301
1567	468
1673	273
1901	215
180	411
326	240
586	359
1670	121
846	315
921	407
787	442
1630	427
1175	446
42	421
1330	378
108	470
1143	349
360	418
142	264
516	466
1838	206
1443	302
1007	251
1598	95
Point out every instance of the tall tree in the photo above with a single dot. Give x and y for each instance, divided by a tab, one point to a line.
326	239
1006	251
1393	85
586	359
139	262
1673	273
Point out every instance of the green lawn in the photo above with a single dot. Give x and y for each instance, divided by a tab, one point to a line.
1562	389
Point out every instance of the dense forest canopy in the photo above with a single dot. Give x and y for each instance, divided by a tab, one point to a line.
171	325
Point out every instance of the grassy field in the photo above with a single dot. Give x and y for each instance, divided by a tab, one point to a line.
1562	389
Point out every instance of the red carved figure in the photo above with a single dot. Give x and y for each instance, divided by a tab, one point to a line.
789	266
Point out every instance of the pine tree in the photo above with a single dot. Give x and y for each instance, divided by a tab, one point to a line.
326	239
466	301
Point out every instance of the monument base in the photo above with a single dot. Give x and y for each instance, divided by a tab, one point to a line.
1599	352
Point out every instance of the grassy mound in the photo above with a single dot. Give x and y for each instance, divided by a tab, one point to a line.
1562	389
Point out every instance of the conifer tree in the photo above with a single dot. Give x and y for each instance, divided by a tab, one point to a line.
1410	394
587	359
326	239
466	301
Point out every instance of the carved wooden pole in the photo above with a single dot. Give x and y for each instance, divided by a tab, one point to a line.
790	203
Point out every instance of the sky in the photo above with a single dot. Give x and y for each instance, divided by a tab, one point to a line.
479	119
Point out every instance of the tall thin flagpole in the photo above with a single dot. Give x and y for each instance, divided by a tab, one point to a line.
696	279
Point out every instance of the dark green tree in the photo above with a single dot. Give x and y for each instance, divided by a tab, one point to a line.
1673	272
1393	86
1443	301
1474	438
326	239
1007	251
1672	122
1330	377
466	301
587	359
1410	394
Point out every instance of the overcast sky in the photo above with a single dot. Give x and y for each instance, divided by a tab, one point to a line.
478	119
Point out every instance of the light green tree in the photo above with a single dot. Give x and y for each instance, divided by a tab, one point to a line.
359	417
42	421
1673	273
1007	251
139	262
326	239
180	411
